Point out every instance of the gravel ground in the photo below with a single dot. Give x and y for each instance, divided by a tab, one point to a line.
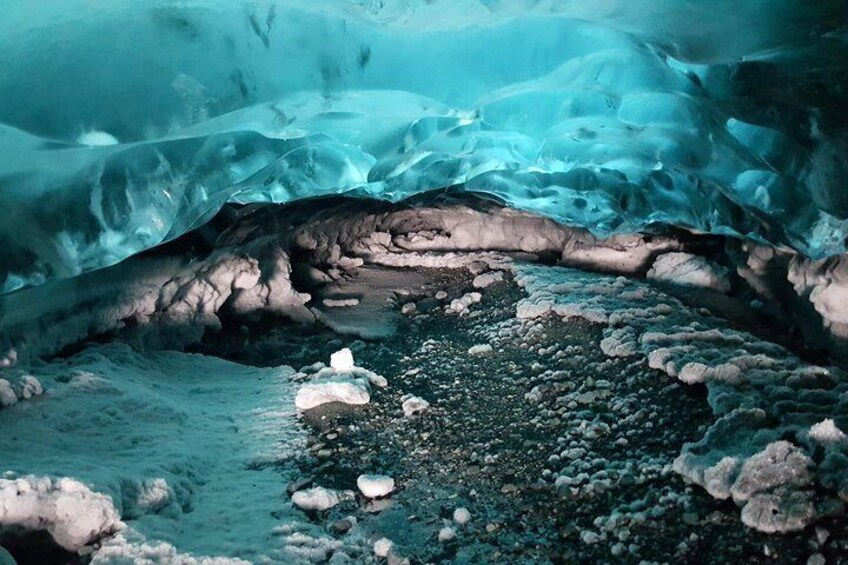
502	424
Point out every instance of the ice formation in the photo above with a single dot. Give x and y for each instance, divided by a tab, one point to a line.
613	117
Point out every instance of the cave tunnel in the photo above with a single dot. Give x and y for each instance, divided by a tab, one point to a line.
423	281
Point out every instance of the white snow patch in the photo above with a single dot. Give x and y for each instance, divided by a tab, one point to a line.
129	547
461	305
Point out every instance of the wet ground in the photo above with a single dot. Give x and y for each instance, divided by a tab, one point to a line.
502	425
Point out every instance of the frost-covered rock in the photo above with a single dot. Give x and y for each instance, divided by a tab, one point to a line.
826	432
487	279
7	394
382	547
761	394
481	350
780	464
317	498
620	342
461	516
446	534
689	270
68	510
375	486
780	511
461	305
339	302
414	405
30	386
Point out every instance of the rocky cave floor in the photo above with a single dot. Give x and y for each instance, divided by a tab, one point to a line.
501	424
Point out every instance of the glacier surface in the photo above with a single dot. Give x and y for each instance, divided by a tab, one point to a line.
126	124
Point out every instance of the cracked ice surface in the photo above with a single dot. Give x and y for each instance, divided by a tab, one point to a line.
122	126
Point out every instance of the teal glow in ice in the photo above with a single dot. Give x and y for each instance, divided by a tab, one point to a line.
125	124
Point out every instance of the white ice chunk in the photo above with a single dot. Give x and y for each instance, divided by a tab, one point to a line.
375	486
342	360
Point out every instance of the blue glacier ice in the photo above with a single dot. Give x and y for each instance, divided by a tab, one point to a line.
124	124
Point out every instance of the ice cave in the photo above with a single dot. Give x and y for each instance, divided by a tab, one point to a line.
423	282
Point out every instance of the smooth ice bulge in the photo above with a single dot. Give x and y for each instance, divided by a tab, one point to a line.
126	125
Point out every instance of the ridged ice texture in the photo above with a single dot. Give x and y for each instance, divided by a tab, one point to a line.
126	124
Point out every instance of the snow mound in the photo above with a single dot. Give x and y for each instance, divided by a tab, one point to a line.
342	360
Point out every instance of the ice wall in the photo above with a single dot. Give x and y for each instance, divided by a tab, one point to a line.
125	124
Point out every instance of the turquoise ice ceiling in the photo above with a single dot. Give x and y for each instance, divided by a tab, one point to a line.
124	124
